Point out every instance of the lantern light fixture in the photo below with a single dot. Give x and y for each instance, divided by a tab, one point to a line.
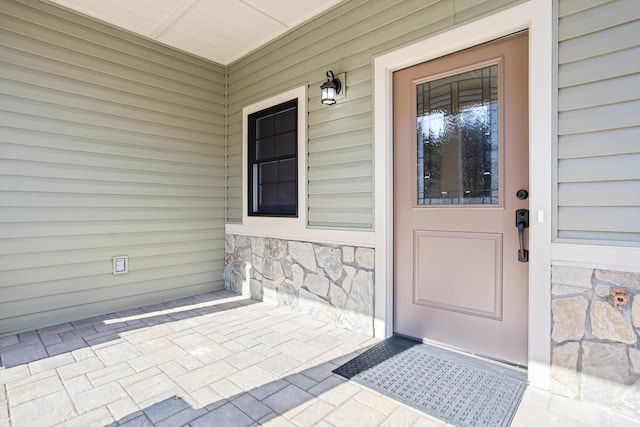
330	88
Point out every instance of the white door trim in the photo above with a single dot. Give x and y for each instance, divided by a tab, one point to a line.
537	17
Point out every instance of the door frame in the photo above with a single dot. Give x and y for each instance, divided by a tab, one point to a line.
537	17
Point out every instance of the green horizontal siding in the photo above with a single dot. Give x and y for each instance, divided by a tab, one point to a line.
109	145
345	40
599	121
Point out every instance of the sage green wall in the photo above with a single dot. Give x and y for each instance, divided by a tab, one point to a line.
599	121
340	159
113	145
109	145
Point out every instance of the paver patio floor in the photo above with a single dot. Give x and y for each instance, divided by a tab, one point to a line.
216	359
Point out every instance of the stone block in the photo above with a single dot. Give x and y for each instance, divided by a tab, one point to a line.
337	296
562	290
255	289
268	284
286	268
635	310
351	271
572	276
9	341
634	358
287	296
619	278
244	255
298	276
277	272
276	248
365	258
116	353
605	370
348	254
34	389
317	284
30	337
66	346
564	369
53	409
267	268
257	263
229	259
257	246
315	306
303	254
23	354
603	291
82	367
233	277
242	241
569	316
608	323
330	259
225	415
229	244
165	408
98	397
361	296
346	284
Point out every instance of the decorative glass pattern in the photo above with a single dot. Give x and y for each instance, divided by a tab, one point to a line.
457	139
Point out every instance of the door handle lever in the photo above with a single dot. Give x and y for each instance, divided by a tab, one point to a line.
522	222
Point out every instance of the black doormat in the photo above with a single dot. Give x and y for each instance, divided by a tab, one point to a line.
375	355
455	388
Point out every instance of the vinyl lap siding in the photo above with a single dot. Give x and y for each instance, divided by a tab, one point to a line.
109	145
599	121
340	149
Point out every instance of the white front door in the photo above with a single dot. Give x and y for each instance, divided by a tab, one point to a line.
460	163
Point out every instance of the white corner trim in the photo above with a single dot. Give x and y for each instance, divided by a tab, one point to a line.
537	16
289	228
617	258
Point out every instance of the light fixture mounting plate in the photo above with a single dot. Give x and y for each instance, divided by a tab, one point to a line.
343	86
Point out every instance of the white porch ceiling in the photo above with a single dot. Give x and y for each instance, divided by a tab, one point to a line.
219	30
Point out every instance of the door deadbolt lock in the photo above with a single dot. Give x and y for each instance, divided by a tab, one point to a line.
522	222
522	194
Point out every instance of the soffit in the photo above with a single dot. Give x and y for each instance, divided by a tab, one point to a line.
219	30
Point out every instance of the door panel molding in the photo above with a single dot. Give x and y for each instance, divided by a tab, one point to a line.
431	287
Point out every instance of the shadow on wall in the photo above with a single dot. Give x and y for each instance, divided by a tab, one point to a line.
334	283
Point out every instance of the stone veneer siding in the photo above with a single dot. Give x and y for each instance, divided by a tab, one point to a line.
595	344
330	282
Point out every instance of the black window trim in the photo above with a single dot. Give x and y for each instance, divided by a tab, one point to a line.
251	154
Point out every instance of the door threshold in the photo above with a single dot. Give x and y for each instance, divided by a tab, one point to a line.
499	362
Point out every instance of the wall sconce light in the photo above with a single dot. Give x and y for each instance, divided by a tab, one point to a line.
330	89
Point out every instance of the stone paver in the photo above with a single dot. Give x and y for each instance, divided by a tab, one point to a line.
215	359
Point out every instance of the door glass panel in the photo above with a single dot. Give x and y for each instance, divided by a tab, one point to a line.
457	139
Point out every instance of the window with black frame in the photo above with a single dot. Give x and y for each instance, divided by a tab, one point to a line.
273	161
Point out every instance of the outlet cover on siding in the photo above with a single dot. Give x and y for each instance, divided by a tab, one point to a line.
120	264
